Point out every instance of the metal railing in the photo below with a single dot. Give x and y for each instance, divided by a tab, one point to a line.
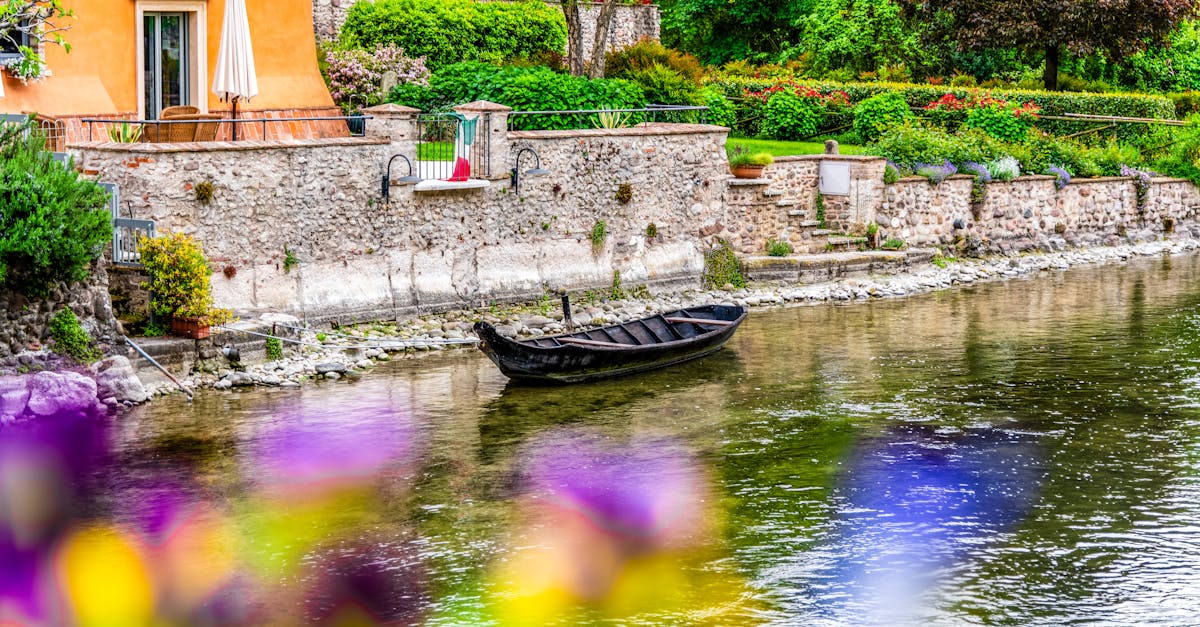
126	231
168	130
606	118
453	147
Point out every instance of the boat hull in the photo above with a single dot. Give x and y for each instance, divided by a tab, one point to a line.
553	360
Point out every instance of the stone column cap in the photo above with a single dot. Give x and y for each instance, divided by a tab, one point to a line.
390	109
483	106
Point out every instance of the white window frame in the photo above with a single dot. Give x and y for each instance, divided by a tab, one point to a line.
197	66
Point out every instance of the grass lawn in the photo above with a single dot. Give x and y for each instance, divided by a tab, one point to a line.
782	148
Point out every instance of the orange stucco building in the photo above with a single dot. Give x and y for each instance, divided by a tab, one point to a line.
131	58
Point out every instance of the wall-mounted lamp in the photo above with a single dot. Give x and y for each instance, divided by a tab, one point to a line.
515	173
411	179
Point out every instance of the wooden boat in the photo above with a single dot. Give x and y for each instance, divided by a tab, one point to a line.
614	350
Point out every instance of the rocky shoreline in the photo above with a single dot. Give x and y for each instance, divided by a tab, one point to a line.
350	352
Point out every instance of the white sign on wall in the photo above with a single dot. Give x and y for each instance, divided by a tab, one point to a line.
834	178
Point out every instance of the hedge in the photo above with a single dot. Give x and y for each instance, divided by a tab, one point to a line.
534	89
449	31
1051	103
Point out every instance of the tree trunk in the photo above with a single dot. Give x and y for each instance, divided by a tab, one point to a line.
570	10
600	43
1050	76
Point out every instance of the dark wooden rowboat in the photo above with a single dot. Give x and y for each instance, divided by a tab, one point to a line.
614	350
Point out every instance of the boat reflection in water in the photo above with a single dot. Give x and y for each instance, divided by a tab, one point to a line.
917	500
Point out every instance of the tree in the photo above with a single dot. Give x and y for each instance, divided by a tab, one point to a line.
861	35
575	64
1117	27
719	31
27	26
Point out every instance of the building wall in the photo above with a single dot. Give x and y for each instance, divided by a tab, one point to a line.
99	75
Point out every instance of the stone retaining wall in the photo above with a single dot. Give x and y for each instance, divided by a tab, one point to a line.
630	22
357	258
26	325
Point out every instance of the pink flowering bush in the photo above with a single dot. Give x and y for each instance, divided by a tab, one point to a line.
355	76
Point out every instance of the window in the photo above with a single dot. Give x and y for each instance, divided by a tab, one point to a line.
9	50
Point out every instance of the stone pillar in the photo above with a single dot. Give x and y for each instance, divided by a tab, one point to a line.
397	123
492	136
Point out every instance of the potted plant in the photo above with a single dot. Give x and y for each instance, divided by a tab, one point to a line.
180	287
744	164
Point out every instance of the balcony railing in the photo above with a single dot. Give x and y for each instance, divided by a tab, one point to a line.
452	147
211	127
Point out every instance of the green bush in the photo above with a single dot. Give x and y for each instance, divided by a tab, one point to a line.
449	31
790	116
721	267
912	143
663	85
778	248
875	115
53	224
416	96
647	53
534	89
70	339
721	110
180	279
274	349
1001	120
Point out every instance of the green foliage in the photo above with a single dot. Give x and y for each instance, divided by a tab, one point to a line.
890	174
721	267
719	31
819	204
663	85
647	53
791	116
448	31
415	96
290	260
615	292
913	143
125	133
651	231
877	114
892	244
274	349
204	192
858	35
179	278
721	110
624	193
778	248
42	23
534	89
53	223
70	339
321	337
599	234
1001	120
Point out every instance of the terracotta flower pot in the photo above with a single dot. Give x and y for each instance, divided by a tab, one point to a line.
189	327
747	171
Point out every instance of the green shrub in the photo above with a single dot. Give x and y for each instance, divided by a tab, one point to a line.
535	89
179	278
721	267
1043	151
647	53
877	114
416	96
449	31
778	248
721	110
53	224
274	349
663	85
790	116
70	339
1001	119
912	143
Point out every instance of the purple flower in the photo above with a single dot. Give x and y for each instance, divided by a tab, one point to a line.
1061	176
935	173
978	170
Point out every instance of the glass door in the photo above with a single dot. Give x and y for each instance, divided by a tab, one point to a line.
164	54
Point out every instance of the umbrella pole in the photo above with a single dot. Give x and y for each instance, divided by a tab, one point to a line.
234	101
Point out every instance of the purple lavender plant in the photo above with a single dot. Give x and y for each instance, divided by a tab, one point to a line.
1061	176
978	170
935	173
1141	182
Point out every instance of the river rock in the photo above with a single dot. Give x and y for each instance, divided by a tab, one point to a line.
536	322
14	396
507	330
238	379
115	377
329	367
332	375
364	364
52	392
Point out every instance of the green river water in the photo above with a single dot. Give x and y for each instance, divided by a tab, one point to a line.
1022	452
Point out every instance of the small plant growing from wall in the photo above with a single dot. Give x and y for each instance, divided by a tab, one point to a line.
779	248
70	339
204	192
599	234
651	231
892	244
290	260
721	267
229	272
624	193
274	349
872	235
819	204
616	292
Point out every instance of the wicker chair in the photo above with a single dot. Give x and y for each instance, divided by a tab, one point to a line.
180	131
181	110
207	131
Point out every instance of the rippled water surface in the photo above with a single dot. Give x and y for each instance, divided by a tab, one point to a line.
1011	453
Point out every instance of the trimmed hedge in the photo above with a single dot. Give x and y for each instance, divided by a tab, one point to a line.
534	89
1051	103
449	31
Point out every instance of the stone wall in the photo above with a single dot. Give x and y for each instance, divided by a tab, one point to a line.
630	22
27	318
1029	213
357	258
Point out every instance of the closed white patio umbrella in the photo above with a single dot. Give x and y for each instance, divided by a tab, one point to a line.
235	79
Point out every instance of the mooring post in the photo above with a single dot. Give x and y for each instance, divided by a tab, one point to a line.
566	305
